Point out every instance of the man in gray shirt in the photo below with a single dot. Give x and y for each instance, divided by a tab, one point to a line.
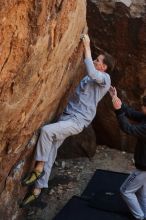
79	113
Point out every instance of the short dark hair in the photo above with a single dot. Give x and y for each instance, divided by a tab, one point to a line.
144	100
109	61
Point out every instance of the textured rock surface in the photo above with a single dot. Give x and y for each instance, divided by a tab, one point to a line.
119	27
40	57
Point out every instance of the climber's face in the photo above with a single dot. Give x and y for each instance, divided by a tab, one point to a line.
143	109
99	63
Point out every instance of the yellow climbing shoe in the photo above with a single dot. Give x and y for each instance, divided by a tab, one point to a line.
32	177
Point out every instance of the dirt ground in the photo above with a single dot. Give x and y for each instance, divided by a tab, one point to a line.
70	177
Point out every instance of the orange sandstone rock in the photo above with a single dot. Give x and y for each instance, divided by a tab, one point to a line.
40	56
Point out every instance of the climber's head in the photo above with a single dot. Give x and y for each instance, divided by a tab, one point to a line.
104	62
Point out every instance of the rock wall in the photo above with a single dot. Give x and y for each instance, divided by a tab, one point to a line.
40	56
119	27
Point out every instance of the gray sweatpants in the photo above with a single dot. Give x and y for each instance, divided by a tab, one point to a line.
51	137
133	191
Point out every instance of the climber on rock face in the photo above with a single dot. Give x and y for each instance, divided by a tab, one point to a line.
133	190
78	114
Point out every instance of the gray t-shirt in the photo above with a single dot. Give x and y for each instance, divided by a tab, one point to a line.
89	92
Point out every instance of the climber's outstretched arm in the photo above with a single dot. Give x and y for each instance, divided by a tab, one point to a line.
93	72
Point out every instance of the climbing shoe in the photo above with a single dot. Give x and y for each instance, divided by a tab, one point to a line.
32	177
29	199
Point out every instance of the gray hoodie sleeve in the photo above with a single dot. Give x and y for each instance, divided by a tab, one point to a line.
138	130
94	74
